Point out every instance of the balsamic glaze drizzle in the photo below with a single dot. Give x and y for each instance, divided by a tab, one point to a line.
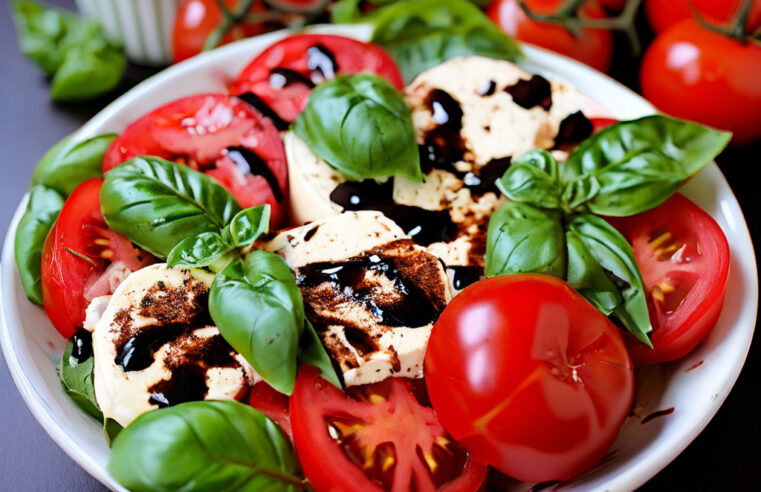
261	106
284	77
248	162
533	92
322	59
463	276
81	346
574	129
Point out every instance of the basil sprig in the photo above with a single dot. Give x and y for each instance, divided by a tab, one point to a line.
72	50
625	169
362	127
68	163
204	445
420	34
258	309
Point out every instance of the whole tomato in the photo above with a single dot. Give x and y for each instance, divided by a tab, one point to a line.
692	72
593	47
664	13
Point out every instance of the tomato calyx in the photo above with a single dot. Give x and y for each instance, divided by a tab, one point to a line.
737	28
568	16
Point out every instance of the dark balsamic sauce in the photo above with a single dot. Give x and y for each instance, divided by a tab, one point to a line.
186	384
574	129
655	415
311	232
284	77
139	351
487	88
248	162
463	276
81	349
261	106
322	59
533	92
443	146
412	308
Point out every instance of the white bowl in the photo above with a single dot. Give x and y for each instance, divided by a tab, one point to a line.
32	347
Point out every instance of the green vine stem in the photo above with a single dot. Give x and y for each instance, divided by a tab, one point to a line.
737	29
229	19
568	17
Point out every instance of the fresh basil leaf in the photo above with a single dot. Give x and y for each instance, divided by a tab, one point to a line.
614	255
312	351
88	72
249	224
258	309
344	11
420	34
533	178
39	31
204	445
77	381
198	251
156	203
41	213
524	238
588	278
111	429
67	164
362	127
636	165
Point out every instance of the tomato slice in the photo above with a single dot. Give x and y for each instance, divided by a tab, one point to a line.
220	135
683	256
273	404
82	258
375	437
283	75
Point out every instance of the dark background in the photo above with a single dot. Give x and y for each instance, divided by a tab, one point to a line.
724	457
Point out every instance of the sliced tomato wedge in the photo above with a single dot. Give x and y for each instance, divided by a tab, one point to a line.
683	256
375	437
602	123
221	135
273	404
82	258
283	75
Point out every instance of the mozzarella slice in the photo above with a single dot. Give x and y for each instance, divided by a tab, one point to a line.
372	294
155	345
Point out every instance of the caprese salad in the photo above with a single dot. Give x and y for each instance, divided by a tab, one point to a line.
327	279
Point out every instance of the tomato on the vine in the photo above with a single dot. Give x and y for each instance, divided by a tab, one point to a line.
529	376
692	72
373	438
683	256
664	13
593	47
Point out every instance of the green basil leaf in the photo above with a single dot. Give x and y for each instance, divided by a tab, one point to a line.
111	429
344	11
533	178
41	213
362	127
420	34
156	203
39	31
312	351
77	381
636	165
85	74
204	445
249	224
258	309
614	255
588	278
67	164
523	238
199	251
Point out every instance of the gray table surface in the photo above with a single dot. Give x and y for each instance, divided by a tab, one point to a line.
723	457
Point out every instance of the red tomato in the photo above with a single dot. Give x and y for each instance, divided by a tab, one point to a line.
684	259
664	13
273	404
283	75
697	74
594	47
613	5
373	438
529	376
82	258
196	19
220	135
602	123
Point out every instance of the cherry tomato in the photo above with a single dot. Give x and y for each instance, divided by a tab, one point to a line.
196	19
684	259
284	74
594	47
529	376
373	438
613	5
220	135
664	13
602	123
82	258
697	74
273	404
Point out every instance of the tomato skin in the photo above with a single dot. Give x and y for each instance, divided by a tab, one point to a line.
219	121
351	56
676	332
273	404
688	63
326	465
67	277
664	13
594	47
529	376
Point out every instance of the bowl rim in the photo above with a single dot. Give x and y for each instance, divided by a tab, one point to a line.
535	59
